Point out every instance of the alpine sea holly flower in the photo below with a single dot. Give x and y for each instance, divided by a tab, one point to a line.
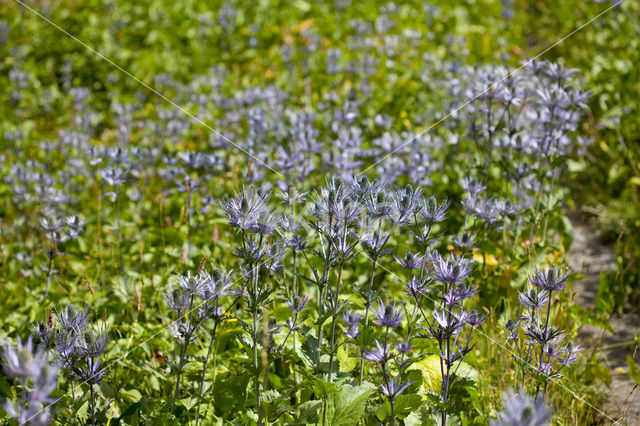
374	245
450	270
465	242
416	287
550	279
30	365
404	347
472	186
387	315
379	354
331	198
512	327
45	333
66	349
521	410
353	332
25	360
351	318
245	207
289	224
297	303
458	294
72	319
114	176
191	284
448	325
394	387
93	344
51	224
533	298
411	261
377	204
265	224
183	332
75	222
406	202
177	300
217	283
569	354
543	335
432	212
297	243
475	319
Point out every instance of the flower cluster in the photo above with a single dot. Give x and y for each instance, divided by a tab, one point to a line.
29	364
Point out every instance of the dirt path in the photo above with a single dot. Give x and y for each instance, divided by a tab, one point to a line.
589	255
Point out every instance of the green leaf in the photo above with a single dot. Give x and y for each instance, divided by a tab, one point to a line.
131	395
230	392
319	386
307	412
604	299
188	403
405	404
346	407
634	371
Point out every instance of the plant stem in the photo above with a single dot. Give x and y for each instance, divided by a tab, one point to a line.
366	315
204	370
124	275
183	353
46	291
333	325
255	349
93	405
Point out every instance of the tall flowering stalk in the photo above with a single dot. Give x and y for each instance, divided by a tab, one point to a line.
388	318
260	253
180	300
217	284
116	177
77	347
449	317
205	288
545	355
396	208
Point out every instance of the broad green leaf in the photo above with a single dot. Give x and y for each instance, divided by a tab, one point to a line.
346	407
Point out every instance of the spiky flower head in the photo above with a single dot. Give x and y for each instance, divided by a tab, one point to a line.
379	354
243	210
432	212
521	410
387	315
550	279
217	283
30	365
191	284
93	343
297	303
72	319
533	298
416	287
411	261
177	300
394	387
451	270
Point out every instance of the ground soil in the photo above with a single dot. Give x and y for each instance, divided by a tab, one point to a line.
590	256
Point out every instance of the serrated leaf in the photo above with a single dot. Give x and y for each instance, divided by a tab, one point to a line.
346	407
